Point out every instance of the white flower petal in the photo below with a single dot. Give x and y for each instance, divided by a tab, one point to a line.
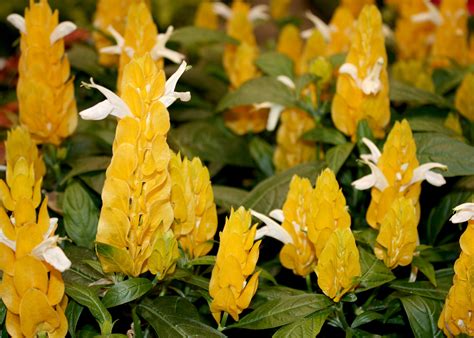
424	172
8	242
306	34
18	21
57	258
375	179
222	10
286	81
432	15
387	32
464	206
271	229
365	182
274	116
114	50
61	30
97	112
117	36
462	216
320	25
278	215
52	226
258	12
170	95
169	54
371	83
374	155
351	70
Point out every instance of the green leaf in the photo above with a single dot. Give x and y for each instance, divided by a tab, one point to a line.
86	165
85	58
401	92
441	253
251	92
203	260
366	317
126	291
421	288
306	327
81	215
446	79
277	292
80	272
275	64
283	311
303	81
271	193
3	311
174	317
337	156
435	147
325	135
426	268
191	35
429	124
228	197
190	278
87	297
423	314
73	312
374	272
210	141
262	154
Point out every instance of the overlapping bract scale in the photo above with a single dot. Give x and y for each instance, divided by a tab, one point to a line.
464	100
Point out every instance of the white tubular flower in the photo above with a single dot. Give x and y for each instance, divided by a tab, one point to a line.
463	213
371	84
170	96
112	105
374	155
388	32
18	22
272	228
423	172
8	242
286	81
320	25
61	30
222	10
258	12
159	50
376	179
117	49
432	15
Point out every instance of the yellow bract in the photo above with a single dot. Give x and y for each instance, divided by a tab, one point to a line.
137	190
415	73
342	22
163	259
279	8
464	99
290	43
398	235
230	287
338	264
205	16
355	6
298	256
195	215
362	91
45	87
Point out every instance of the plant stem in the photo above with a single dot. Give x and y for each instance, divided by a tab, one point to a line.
308	283
221	326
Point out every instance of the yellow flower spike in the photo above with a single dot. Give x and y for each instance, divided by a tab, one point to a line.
291	149
362	85
234	280
315	46
240	66
205	16
45	88
452	122
290	43
414	73
328	211
398	235
279	8
342	23
464	101
338	264
195	220
240	26
451	37
355	6
456	316
162	261
413	38
110	13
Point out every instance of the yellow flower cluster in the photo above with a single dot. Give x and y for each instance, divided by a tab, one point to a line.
342	24
279	8
355	6
32	287
464	100
205	16
195	215
45	88
456	317
230	287
415	73
362	85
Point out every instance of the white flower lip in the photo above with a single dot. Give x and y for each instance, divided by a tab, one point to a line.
222	10
374	155
320	25
170	96
463	213
272	228
431	15
159	49
275	108
258	12
18	22
376	179
371	84
117	49
61	30
423	172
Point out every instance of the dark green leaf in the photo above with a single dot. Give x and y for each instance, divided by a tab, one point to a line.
426	268
265	274
423	314
251	92
175	317
81	215
190	278
325	135
3	311
435	147
442	253
94	180
374	272
366	317
85	58
275	64
87	164
262	154
446	79
303	81
306	327
80	272
429	124
444	280
126	291
337	156
228	197
73	312
283	311
210	141
277	292
192	35
271	193
401	92
203	260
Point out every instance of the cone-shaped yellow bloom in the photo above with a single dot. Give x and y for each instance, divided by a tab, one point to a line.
165	254
362	85
279	8
230	287
110	13
298	255
205	16
415	73
464	100
45	88
328	210
456	317
338	265
136	197
451	38
195	215
355	6
342	25
290	43
291	149
315	46
397	239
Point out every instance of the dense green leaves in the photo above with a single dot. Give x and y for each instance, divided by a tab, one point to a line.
423	314
73	312
374	272
275	64
126	291
228	197
191	35
306	327
325	135
337	156
262	154
401	92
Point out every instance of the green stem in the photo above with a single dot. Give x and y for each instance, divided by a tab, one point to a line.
308	283
342	320
43	335
221	326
